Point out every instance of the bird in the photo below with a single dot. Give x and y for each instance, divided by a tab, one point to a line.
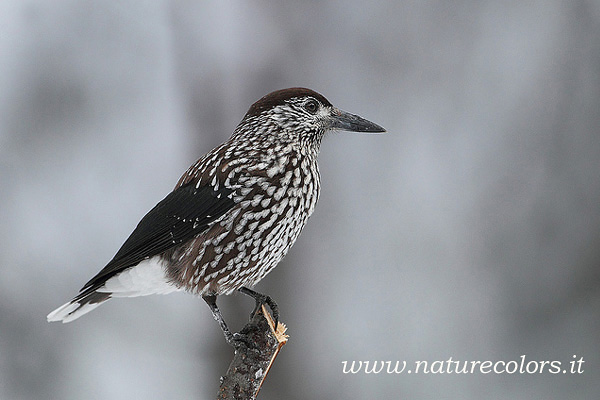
232	216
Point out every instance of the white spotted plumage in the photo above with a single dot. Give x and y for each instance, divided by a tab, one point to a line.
275	195
234	214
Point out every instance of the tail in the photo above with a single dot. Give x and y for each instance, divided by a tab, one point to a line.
147	277
82	304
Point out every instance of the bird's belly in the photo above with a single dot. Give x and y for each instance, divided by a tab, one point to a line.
243	246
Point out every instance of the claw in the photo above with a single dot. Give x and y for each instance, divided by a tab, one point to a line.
234	339
237	339
260	300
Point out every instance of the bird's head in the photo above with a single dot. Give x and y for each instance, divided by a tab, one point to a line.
300	115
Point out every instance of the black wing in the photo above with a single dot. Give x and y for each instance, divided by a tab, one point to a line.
184	213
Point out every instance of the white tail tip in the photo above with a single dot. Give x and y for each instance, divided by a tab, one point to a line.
71	311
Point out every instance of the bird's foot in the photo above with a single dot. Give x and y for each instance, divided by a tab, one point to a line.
260	300
238	339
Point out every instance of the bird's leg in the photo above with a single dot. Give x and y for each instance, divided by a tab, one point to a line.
232	339
260	300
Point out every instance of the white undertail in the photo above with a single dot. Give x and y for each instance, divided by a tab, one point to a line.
148	277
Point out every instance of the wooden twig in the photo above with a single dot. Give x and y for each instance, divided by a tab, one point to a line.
250	365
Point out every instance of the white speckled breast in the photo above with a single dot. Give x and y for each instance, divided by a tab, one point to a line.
274	198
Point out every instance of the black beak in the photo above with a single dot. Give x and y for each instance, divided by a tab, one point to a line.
345	121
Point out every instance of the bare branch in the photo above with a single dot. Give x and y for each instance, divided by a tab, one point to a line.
250	365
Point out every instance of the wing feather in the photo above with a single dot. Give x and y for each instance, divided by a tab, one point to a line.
184	213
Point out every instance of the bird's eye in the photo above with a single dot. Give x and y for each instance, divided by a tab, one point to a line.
311	106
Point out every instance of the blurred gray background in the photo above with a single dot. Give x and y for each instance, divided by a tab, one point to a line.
471	230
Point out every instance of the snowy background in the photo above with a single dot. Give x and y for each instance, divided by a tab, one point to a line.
471	230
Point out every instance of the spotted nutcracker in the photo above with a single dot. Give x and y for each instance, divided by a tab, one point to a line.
233	215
